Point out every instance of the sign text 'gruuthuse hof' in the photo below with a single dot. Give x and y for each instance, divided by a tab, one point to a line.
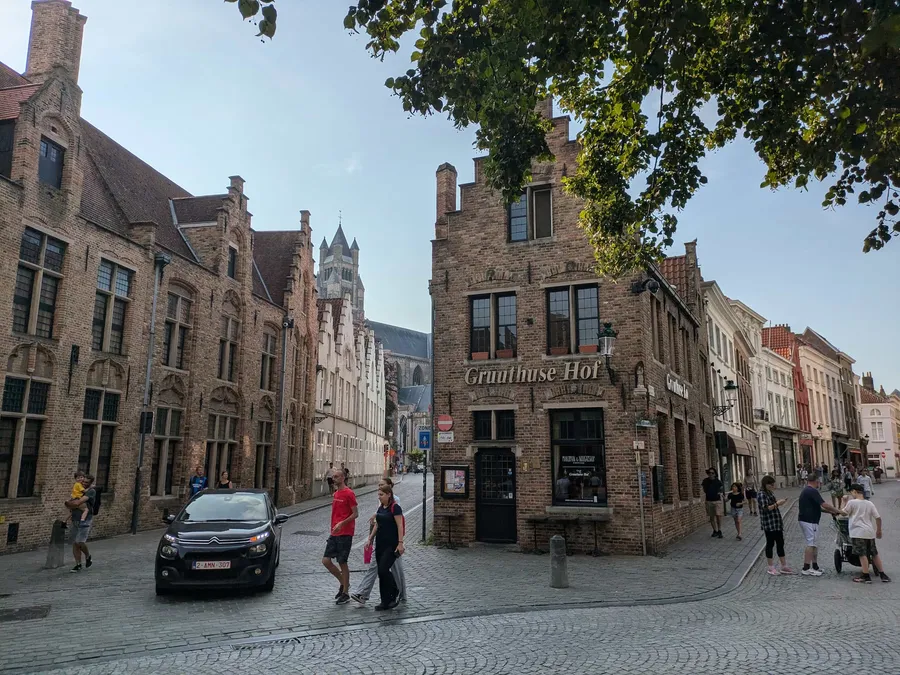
568	371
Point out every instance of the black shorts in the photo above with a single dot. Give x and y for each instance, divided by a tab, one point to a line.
338	548
330	480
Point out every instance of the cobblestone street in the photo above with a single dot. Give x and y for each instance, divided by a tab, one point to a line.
479	610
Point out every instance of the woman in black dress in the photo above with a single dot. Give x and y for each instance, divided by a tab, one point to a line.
388	534
224	482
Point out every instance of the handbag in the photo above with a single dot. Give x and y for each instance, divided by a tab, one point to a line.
367	554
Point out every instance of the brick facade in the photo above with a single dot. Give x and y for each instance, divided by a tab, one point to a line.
83	358
661	350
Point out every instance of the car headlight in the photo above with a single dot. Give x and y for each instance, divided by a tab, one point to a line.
262	536
168	552
258	550
170	538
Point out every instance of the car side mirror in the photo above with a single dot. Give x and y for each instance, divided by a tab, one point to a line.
281	518
169	519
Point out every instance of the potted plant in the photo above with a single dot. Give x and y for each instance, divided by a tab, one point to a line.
587	349
505	353
480	356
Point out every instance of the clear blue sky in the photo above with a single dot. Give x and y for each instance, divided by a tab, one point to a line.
307	122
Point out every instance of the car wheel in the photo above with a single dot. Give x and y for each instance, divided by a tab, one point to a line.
269	586
838	561
163	591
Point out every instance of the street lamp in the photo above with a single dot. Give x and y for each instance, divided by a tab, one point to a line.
607	340
326	408
730	399
160	260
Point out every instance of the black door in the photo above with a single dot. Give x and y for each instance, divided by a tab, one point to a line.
495	496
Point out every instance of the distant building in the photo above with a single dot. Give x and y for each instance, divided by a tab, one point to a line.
880	423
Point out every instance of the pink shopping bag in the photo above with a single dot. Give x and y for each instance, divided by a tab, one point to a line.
367	554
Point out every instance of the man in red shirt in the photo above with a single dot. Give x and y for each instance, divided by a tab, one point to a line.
344	512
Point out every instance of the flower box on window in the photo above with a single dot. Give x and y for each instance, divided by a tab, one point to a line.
559	351
505	353
587	349
480	356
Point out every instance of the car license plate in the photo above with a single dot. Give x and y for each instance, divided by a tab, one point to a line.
212	564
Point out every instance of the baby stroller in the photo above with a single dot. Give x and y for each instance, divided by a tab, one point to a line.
843	551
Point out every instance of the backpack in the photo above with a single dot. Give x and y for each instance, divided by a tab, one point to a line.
95	505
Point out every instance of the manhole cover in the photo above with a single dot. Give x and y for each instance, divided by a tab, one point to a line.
24	613
309	533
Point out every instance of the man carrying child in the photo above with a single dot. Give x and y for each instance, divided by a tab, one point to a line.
82	519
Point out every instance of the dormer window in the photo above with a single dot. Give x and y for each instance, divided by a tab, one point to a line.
50	165
232	261
531	216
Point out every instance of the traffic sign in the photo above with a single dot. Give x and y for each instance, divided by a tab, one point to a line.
445	437
424	439
444	423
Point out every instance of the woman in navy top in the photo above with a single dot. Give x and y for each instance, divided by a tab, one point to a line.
388	534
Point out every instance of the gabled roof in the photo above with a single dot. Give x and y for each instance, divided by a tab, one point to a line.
274	253
418	396
871	397
197	209
819	343
402	341
12	97
780	340
675	270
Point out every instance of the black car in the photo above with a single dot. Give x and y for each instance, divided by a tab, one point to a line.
221	539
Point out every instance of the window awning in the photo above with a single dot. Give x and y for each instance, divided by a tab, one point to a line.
732	445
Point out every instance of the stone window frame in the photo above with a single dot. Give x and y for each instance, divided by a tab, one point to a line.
576	344
221	441
229	343
179	322
34	302
99	427
494	414
493	327
46	164
264	449
29	417
166	442
529	214
110	299
268	353
232	267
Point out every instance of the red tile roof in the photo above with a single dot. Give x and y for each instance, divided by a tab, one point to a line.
274	253
12	97
675	270
10	78
872	397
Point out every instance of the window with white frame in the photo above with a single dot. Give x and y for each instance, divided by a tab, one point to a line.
38	278
110	307
876	412
24	412
877	431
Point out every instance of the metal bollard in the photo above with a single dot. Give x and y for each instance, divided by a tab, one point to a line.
559	572
56	552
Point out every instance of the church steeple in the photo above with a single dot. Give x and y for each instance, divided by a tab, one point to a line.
339	271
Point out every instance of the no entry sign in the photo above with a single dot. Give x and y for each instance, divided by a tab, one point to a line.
444	423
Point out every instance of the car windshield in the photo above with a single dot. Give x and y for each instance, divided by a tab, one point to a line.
239	507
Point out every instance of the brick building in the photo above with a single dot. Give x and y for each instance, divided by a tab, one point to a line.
84	225
544	427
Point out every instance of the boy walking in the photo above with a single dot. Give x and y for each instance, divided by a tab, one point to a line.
344	512
865	528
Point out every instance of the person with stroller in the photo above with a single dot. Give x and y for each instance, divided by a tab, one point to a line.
865	528
809	510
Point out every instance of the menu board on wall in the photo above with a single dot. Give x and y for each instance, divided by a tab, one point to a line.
455	482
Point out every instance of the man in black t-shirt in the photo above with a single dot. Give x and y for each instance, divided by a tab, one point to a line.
809	512
712	488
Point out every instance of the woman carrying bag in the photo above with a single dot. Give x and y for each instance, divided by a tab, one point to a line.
388	534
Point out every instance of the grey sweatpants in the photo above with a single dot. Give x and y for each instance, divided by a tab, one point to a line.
365	587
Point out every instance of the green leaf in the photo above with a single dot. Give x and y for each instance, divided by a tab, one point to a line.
861	127
389	83
266	28
415	56
350	22
844	113
248	8
270	13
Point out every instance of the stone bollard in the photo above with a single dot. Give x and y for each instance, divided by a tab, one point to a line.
57	552
559	572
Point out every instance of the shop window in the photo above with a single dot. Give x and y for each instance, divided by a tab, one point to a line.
492	321
579	457
570	332
38	278
50	164
531	216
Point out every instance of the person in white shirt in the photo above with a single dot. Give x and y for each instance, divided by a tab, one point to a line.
865	528
866	481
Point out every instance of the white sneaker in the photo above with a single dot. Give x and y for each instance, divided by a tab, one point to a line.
808	573
817	573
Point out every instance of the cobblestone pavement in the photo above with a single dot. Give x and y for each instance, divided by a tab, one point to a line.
465	614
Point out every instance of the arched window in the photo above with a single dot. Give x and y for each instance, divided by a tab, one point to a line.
876	412
417	376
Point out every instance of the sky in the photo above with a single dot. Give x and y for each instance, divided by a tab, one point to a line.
306	120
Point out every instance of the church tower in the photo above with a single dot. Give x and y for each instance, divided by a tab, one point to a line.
339	272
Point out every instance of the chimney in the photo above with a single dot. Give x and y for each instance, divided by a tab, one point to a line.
446	190
55	41
868	382
237	183
544	108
